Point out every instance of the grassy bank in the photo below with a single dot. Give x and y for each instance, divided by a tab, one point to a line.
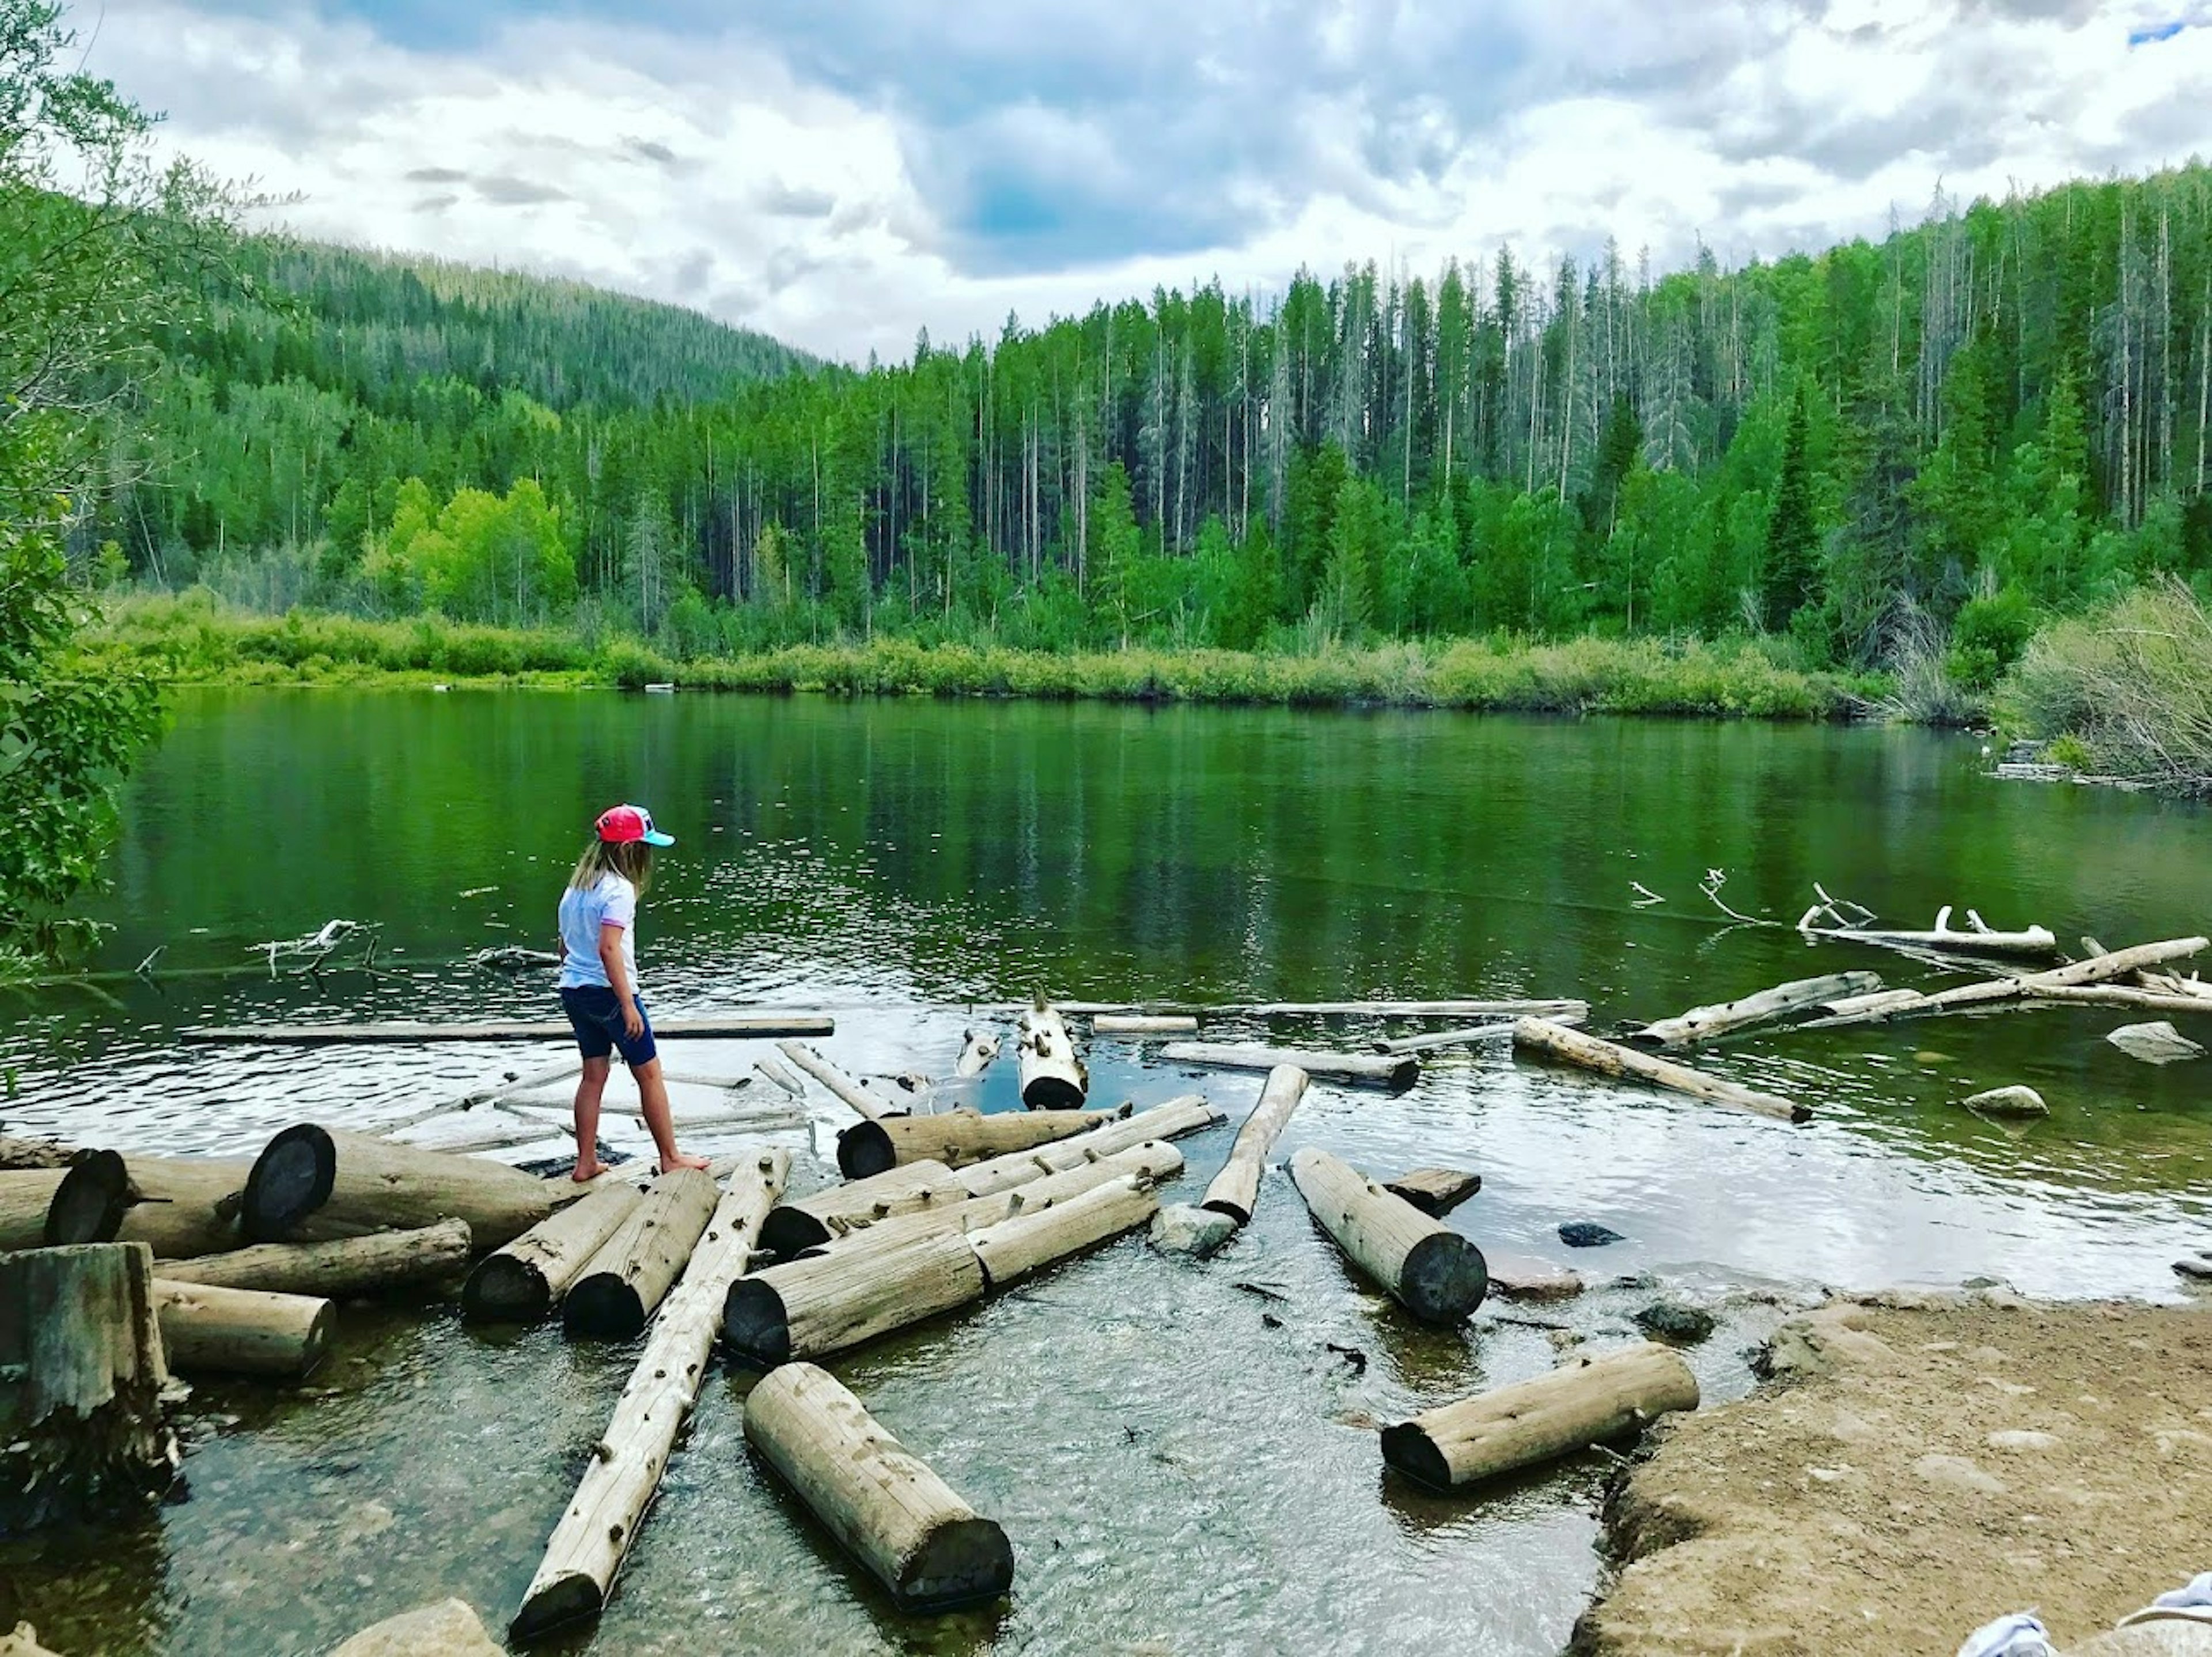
197	642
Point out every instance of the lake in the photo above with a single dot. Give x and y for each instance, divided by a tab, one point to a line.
1182	1455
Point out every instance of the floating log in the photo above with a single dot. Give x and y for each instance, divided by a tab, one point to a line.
1431	1271
588	1545
26	1194
1034	1239
1434	1191
782	1078
1144	1024
978	1048
2087	980
1172	1120
812	1220
1236	1188
1053	1076
1585	1402
207	1329
874	1106
1464	1036
1704	1023
178	1206
2120	995
958	1137
884	1506
82	1432
828	1302
311	1183
1379	1070
2036	943
1152	1162
618	1289
727	1026
351	1268
495	1135
525	1281
1610	1058
1379	1009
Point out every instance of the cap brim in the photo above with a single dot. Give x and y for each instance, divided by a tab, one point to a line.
655	837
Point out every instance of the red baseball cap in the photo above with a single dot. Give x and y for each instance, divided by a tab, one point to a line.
621	824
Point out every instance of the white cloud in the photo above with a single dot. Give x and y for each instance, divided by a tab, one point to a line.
840	176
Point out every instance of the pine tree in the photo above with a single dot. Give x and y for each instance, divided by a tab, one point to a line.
1789	573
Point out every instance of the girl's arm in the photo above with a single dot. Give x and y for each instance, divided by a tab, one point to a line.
610	957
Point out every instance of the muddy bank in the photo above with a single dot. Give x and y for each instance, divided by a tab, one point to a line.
1915	1469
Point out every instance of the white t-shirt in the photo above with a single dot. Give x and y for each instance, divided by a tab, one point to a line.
610	901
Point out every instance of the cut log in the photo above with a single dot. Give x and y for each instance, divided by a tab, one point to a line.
782	1078
978	1048
2067	983
1153	1163
814	1220
883	1505
178	1206
525	1281
1704	1023
1053	1076
1434	1191
1172	1120
207	1329
1610	1058
727	1026
1466	1035
1590	1401
1033	1238
1431	1271
1144	1024
26	1194
958	1137
312	1183
595	1533
1236	1188
625	1281
1396	1070
82	1431
2121	995
352	1267
829	1303
874	1106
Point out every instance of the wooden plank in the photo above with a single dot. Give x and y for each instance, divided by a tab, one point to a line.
724	1025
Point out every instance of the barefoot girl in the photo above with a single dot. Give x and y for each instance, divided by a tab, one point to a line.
599	981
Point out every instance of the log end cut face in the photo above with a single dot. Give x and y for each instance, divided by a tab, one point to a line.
1444	1278
568	1598
756	1327
604	1306
1415	1455
1049	1092
789	1232
963	1562
89	1204
866	1149
505	1290
291	1178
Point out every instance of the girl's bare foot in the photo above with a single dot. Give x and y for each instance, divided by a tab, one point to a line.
591	1170
670	1164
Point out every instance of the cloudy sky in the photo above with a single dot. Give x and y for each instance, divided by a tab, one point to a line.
840	172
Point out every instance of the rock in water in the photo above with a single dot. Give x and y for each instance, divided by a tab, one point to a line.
1587	1233
2153	1044
1434	1191
1673	1322
2200	1268
1183	1229
448	1628
2009	1101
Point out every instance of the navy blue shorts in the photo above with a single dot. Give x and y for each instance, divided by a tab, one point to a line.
597	1016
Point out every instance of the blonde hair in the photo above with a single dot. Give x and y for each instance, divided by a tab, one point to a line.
631	859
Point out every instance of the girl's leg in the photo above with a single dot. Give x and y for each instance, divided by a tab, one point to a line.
589	1087
653	1098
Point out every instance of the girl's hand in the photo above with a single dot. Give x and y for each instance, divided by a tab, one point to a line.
633	1021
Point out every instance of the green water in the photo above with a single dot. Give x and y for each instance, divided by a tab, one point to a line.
1183	1464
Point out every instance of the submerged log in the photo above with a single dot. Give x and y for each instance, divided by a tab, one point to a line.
1434	1191
814	1220
2088	980
1053	1076
208	1330
1144	1024
625	1281
178	1206
1704	1023
1172	1120
311	1183
828	1302
26	1194
1431	1271
884	1506
1236	1188
874	1106
782	1078
1152	1162
351	1268
1378	1009
82	1431
2036	943
1036	1237
1586	1402
1610	1058
525	1281
958	1137
978	1048
1378	1069
729	1026
595	1531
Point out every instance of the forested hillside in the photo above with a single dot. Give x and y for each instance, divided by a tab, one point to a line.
1999	412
